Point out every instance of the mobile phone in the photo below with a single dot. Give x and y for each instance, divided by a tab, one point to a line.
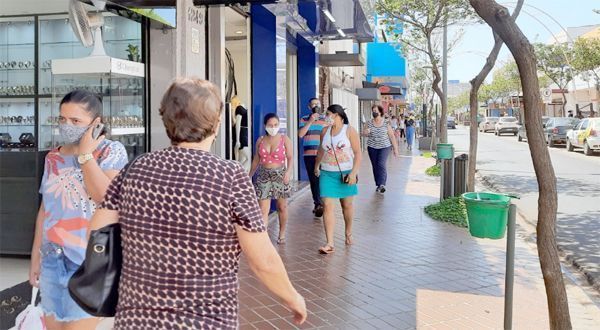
97	131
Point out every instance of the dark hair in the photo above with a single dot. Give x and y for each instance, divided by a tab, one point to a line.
190	110
91	101
339	110
313	99
268	117
379	108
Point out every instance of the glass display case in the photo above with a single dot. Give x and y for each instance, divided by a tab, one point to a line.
120	84
29	106
17	83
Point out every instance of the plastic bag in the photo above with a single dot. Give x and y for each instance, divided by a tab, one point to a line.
32	318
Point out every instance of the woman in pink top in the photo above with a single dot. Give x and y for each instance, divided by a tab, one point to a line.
273	160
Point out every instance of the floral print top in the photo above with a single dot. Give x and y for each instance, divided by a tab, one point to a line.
67	204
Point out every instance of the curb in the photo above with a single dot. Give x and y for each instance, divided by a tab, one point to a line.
565	256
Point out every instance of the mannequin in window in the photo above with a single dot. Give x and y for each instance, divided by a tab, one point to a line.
241	149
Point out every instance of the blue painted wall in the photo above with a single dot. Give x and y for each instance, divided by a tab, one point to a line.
309	11
307	88
264	68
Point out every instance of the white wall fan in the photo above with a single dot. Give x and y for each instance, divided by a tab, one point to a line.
88	26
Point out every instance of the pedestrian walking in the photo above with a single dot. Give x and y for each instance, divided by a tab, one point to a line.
402	128
310	131
410	129
381	141
337	165
76	177
186	215
273	162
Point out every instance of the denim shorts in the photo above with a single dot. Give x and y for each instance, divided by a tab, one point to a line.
55	274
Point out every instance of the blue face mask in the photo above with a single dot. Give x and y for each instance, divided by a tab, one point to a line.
71	134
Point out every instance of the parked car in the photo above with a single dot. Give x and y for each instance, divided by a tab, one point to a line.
451	122
488	124
507	125
585	135
556	129
522	132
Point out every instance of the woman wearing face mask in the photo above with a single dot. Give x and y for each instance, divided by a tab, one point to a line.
338	161
381	140
273	161
76	178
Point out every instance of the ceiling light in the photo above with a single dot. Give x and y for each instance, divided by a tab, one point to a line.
341	33
239	32
328	14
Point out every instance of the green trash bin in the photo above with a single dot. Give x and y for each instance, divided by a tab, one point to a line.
445	151
487	214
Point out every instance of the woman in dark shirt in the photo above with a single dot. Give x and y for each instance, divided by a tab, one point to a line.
186	215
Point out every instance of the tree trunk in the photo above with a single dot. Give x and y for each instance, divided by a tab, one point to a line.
564	105
474	101
499	19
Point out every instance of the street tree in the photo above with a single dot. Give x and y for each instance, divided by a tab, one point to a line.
499	19
555	62
586	59
476	83
422	23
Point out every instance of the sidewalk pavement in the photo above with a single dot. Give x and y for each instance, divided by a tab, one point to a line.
404	270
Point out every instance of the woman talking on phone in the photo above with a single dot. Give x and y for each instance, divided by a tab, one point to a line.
76	177
337	164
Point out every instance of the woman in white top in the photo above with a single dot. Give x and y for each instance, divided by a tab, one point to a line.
337	164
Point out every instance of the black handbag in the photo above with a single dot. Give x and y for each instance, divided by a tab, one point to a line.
345	178
95	284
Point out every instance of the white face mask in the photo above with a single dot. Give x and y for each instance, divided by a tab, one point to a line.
272	131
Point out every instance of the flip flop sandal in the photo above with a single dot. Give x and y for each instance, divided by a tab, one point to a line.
327	249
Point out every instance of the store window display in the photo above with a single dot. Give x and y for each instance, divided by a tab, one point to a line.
29	97
241	133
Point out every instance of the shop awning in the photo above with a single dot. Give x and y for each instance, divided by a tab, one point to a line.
368	94
384	89
341	59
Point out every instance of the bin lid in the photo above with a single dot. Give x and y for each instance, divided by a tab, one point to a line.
487	198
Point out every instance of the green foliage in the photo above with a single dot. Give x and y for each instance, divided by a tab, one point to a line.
427	154
586	56
421	20
553	60
451	210
458	102
434	170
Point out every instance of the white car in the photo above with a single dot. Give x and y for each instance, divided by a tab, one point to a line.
585	135
507	125
488	124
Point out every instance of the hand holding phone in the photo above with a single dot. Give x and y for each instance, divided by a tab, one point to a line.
97	131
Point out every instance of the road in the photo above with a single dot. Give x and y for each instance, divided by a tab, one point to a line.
506	164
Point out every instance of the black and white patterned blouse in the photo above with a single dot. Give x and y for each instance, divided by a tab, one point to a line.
378	136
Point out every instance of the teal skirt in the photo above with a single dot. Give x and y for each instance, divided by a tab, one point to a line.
331	185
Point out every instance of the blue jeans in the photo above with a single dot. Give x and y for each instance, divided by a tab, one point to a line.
55	274
410	135
309	163
379	162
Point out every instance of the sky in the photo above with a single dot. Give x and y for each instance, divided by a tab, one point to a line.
469	56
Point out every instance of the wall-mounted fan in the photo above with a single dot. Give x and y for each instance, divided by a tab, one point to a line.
88	26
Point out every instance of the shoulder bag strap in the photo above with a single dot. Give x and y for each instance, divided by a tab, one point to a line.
334	151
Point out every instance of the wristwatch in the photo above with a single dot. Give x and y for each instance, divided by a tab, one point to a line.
84	158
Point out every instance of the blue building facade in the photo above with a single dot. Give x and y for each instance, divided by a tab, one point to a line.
387	67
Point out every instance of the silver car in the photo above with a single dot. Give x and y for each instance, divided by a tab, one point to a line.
488	124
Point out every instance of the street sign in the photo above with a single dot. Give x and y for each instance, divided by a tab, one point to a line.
547	95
